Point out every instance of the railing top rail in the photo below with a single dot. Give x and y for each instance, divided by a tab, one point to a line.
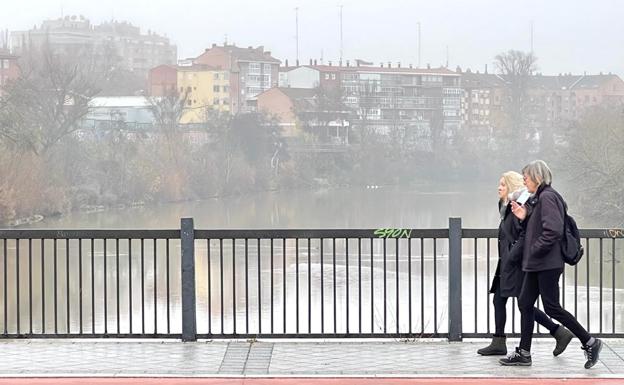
601	233
270	233
479	233
88	234
322	233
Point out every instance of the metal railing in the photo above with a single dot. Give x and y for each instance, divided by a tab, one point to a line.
189	283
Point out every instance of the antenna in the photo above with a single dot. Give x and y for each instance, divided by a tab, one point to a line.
447	56
418	44
341	34
531	36
297	33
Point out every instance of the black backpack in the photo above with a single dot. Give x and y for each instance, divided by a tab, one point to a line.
571	247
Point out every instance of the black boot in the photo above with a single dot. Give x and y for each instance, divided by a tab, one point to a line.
592	353
563	337
498	347
518	358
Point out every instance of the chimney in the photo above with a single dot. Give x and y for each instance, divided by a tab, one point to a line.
286	65
485	72
340	63
389	65
382	65
297	63
600	73
214	45
330	63
310	61
399	64
249	47
347	63
314	61
458	69
584	73
267	53
428	66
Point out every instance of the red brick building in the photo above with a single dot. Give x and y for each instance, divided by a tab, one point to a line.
162	80
8	68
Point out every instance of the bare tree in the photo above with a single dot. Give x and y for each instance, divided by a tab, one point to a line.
594	161
47	101
319	111
516	67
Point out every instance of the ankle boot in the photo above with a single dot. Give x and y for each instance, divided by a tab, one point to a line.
498	347
563	337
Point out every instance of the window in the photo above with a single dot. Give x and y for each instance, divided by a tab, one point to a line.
216	76
226	89
333	76
215	101
267	68
216	88
254	68
326	76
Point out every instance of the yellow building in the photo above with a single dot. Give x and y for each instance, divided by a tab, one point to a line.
204	88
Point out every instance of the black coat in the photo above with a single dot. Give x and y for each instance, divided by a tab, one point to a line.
509	274
544	230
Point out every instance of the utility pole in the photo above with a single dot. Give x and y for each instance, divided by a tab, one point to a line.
341	34
419	41
297	34
531	36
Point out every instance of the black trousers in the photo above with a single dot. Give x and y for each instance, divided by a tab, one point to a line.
546	284
500	315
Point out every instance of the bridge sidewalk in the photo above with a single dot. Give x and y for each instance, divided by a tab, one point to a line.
309	359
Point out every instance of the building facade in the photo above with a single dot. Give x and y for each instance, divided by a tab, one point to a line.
423	104
203	88
76	35
251	72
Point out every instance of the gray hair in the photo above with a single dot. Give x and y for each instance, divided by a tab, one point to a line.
539	171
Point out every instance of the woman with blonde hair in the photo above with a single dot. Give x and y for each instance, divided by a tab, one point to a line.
508	278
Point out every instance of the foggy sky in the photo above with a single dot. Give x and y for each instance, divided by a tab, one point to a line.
569	36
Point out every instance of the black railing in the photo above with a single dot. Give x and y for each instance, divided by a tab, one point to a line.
189	284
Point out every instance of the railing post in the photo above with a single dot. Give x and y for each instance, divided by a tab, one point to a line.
455	280
187	239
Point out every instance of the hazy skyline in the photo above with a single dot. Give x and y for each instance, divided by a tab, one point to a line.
569	36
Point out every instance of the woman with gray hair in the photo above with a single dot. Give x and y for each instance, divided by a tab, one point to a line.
508	278
542	261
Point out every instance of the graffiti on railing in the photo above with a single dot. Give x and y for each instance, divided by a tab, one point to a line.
614	233
393	233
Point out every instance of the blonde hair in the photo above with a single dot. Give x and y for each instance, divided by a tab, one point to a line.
539	171
513	181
